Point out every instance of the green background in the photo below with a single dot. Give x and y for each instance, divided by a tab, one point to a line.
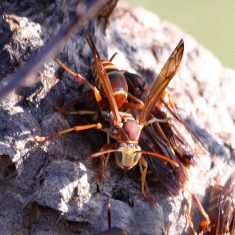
210	22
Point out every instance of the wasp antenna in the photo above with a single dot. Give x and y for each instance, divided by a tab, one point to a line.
113	56
176	164
94	155
91	44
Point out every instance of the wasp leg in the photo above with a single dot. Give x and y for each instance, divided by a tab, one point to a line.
62	110
101	172
107	158
189	218
168	99
144	187
104	161
139	104
84	99
83	81
81	112
154	119
94	114
75	128
206	220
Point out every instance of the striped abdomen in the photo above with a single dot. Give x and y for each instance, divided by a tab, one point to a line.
117	80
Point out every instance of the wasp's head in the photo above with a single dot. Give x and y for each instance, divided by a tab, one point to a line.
128	156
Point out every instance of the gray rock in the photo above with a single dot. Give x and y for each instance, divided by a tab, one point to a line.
51	188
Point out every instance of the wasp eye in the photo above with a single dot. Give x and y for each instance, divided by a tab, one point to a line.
137	157
118	157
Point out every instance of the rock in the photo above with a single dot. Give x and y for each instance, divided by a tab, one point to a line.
51	188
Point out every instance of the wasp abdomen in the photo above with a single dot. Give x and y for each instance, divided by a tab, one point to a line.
117	80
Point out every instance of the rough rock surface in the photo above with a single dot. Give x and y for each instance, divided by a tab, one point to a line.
51	188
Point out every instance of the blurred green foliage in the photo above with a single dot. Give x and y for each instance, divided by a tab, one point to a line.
211	22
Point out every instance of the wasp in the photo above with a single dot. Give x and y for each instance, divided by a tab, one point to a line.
123	127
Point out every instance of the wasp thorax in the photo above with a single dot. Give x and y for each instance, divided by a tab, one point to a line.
129	156
128	131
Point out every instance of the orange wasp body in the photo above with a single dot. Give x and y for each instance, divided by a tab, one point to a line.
124	128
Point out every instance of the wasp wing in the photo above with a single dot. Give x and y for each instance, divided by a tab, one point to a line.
170	177
167	73
186	145
187	136
102	75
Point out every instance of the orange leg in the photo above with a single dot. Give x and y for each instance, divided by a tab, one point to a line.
62	110
139	104
104	161
81	112
82	80
168	99
156	120
85	97
144	187
207	221
189	218
39	139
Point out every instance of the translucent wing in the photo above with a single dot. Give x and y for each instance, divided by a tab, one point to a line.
167	73
102	75
178	135
160	173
